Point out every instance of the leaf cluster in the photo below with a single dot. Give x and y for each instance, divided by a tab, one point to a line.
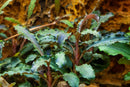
54	53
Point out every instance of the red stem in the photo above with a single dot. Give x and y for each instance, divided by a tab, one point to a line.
49	77
77	51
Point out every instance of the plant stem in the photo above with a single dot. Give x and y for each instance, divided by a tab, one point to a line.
89	16
72	48
49	77
43	78
21	46
77	50
59	76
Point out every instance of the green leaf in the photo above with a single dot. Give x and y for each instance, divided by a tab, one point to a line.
89	31
27	47
72	39
29	36
57	6
41	61
72	79
127	76
60	59
20	68
117	48
9	63
33	75
110	39
46	39
62	37
4	5
12	20
1	46
128	34
3	35
30	58
124	61
86	71
31	8
67	22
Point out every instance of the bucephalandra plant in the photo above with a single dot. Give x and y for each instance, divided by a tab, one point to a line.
51	54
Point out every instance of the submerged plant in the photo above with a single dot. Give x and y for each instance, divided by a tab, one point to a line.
55	53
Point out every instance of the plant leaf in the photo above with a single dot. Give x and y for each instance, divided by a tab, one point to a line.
41	61
21	68
3	35
67	22
62	37
31	8
117	48
60	59
29	36
89	31
110	39
12	20
27	47
1	46
4	5
72	79
86	71
127	76
30	58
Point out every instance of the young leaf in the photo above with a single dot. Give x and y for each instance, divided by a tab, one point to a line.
83	22
31	8
127	76
67	22
72	79
12	20
117	48
60	59
4	5
29	36
86	71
